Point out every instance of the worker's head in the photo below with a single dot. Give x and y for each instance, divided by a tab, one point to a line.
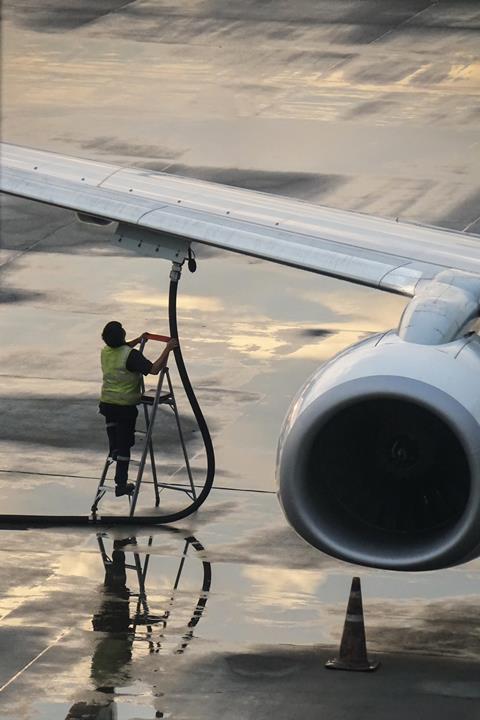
113	334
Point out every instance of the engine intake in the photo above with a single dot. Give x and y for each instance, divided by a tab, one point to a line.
379	456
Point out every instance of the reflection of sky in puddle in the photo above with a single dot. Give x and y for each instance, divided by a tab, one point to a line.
186	302
247	606
123	711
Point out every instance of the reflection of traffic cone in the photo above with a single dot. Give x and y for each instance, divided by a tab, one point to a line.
353	648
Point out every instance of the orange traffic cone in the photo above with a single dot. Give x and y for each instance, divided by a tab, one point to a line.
353	648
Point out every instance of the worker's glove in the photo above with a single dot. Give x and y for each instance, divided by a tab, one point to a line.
172	344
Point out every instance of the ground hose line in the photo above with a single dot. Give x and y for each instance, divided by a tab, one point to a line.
79	520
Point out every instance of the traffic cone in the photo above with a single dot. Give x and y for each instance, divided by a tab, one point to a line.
353	648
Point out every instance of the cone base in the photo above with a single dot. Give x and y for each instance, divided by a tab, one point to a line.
367	666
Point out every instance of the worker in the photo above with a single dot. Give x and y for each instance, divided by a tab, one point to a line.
122	368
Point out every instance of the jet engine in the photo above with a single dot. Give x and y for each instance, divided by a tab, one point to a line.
379	455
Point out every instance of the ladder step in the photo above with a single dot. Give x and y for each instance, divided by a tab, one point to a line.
179	488
162	400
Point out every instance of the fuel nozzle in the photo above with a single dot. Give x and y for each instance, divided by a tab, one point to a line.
175	272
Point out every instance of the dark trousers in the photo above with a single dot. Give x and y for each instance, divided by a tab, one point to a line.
120	425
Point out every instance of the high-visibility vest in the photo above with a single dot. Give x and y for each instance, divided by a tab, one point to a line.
120	386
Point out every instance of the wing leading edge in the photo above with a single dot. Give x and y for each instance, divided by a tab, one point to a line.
371	251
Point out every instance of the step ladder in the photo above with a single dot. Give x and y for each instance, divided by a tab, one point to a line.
164	395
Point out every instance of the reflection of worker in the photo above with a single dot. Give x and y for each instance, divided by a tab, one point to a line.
122	369
113	651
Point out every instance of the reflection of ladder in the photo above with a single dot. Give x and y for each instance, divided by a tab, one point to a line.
143	617
150	405
142	614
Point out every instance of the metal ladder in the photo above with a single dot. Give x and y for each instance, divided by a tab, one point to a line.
161	397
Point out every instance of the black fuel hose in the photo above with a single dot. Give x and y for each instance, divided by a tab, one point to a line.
197	411
98	519
194	404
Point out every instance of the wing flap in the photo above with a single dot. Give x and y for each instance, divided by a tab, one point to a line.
276	245
360	248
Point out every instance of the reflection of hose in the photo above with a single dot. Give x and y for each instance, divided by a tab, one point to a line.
202	600
98	519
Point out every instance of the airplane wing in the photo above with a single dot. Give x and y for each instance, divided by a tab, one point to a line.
380	253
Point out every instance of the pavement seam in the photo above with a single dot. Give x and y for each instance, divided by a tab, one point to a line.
91	477
51	233
34	660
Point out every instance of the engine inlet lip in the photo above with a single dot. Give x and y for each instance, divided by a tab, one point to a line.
456	542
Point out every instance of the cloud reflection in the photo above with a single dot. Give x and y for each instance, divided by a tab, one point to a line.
160	300
289	340
283	588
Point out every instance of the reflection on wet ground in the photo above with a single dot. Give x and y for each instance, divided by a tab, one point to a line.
127	618
161	621
362	105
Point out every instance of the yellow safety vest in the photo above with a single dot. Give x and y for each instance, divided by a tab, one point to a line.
120	386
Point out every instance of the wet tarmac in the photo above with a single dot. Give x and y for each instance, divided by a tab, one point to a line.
361	105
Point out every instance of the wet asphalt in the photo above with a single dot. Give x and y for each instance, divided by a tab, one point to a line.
355	104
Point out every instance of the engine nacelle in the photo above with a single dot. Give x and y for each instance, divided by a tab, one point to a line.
379	456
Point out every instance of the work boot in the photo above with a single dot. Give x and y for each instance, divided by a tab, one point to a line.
124	489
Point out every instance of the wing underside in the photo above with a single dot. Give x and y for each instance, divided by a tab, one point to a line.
371	251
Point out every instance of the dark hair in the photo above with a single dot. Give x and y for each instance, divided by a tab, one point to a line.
113	334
